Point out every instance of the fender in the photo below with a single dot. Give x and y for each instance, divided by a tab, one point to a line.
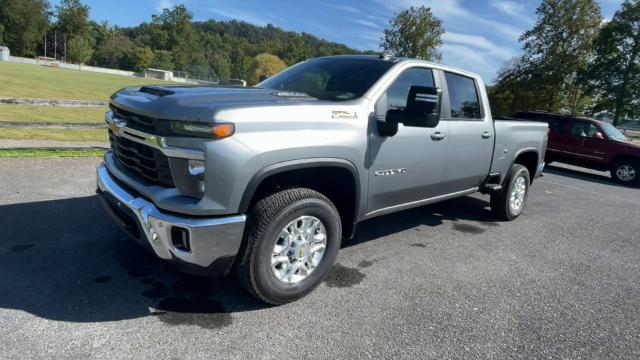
285	166
517	155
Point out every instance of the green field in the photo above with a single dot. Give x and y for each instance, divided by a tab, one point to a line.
55	134
20	153
51	114
41	82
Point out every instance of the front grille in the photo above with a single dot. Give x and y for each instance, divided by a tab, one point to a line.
142	123
142	161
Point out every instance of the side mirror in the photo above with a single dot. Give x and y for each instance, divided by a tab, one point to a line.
598	135
423	108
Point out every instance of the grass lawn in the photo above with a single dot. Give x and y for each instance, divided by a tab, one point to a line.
52	114
16	153
54	134
41	82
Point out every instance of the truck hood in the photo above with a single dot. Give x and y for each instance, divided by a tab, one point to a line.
190	102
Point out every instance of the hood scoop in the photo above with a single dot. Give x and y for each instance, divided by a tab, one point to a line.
156	90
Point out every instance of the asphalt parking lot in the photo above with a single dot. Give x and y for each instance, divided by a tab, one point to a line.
442	281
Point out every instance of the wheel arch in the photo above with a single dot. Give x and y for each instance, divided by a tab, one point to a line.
342	188
528	158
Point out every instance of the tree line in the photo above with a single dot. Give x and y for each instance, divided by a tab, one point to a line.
170	41
573	61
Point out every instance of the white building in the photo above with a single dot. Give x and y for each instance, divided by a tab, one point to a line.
4	53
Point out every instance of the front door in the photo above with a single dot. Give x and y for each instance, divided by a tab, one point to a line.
409	166
575	151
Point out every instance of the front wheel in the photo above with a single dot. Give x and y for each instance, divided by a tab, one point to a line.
626	171
291	241
509	203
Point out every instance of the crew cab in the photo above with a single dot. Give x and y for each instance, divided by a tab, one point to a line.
267	181
589	143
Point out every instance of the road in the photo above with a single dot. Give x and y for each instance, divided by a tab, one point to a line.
442	281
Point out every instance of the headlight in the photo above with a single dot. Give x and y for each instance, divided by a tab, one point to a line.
214	131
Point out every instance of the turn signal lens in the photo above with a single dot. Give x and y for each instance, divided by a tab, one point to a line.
222	131
216	131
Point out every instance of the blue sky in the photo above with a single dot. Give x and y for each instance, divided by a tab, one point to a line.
480	35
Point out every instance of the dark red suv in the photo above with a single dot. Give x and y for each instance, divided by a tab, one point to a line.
589	143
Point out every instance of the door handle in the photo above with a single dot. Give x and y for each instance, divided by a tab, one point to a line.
486	135
437	136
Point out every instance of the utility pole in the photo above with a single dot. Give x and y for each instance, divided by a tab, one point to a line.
55	45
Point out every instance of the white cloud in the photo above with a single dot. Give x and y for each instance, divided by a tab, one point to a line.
367	23
512	8
163	4
456	15
468	58
479	43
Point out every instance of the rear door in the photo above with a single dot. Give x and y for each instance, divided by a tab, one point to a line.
471	134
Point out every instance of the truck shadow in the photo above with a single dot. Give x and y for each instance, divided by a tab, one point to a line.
462	209
64	260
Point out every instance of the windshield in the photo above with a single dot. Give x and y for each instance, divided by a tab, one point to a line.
613	132
335	79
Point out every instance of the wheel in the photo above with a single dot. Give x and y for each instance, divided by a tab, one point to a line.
510	201
626	171
290	243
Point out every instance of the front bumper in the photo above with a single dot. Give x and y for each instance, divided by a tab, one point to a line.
212	242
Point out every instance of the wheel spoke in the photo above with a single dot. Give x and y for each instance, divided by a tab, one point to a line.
280	260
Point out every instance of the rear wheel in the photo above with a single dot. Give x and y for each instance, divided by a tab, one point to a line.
291	241
509	203
626	171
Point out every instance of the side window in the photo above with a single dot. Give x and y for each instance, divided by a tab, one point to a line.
397	93
555	126
583	129
463	96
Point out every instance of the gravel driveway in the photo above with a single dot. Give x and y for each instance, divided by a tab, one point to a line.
442	281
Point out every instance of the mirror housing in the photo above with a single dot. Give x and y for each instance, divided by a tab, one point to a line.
423	108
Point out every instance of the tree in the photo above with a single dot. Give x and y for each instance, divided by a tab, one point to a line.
73	18
1	34
144	58
163	60
415	33
265	65
79	49
557	49
176	32
25	23
613	75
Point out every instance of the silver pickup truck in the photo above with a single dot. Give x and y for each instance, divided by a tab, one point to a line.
268	180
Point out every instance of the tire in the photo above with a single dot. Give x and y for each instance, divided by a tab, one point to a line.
501	202
626	171
269	219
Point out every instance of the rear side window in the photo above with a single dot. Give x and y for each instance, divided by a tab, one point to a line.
463	96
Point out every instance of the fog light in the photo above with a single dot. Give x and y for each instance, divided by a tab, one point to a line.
196	167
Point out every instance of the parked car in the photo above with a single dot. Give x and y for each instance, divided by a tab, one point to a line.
589	143
268	180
